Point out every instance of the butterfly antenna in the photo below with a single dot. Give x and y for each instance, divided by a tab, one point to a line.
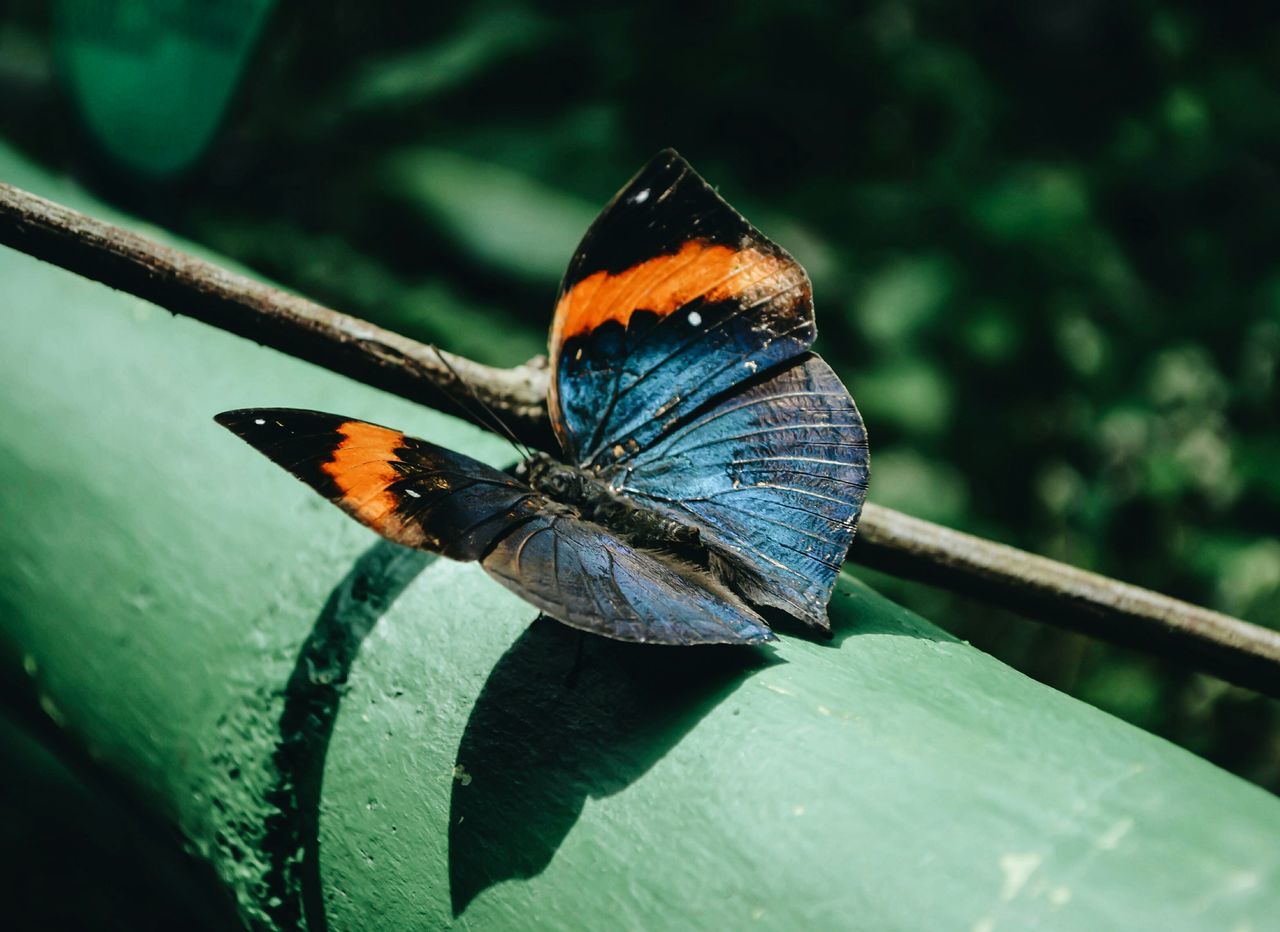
485	413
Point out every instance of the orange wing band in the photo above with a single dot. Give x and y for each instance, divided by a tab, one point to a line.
662	285
361	468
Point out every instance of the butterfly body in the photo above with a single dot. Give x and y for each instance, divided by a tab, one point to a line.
598	501
712	467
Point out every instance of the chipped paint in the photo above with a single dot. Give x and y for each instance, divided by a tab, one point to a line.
1114	835
1017	870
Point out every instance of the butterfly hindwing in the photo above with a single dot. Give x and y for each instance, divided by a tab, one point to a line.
421	495
585	576
775	475
671	298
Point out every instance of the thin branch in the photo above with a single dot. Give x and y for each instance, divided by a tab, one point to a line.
1069	597
185	284
1043	589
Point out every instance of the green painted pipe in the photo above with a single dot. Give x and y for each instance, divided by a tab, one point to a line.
358	736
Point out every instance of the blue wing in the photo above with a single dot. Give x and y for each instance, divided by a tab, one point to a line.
583	575
774	476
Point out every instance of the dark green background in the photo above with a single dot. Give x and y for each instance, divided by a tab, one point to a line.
1042	236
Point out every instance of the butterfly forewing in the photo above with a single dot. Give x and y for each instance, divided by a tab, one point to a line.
408	490
671	298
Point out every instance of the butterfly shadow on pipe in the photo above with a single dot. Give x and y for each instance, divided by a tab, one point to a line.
312	696
547	732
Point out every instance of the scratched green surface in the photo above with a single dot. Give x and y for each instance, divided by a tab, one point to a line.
365	738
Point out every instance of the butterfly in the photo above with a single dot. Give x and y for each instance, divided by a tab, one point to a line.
713	468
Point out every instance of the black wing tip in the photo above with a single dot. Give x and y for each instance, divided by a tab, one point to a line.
223	417
668	157
668	163
276	432
246	423
238	418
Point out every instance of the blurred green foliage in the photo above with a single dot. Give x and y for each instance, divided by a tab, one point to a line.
1042	238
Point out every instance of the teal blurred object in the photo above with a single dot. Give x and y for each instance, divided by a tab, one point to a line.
153	78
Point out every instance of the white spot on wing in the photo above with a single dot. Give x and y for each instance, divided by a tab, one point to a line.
412	493
695	319
640	196
259	421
